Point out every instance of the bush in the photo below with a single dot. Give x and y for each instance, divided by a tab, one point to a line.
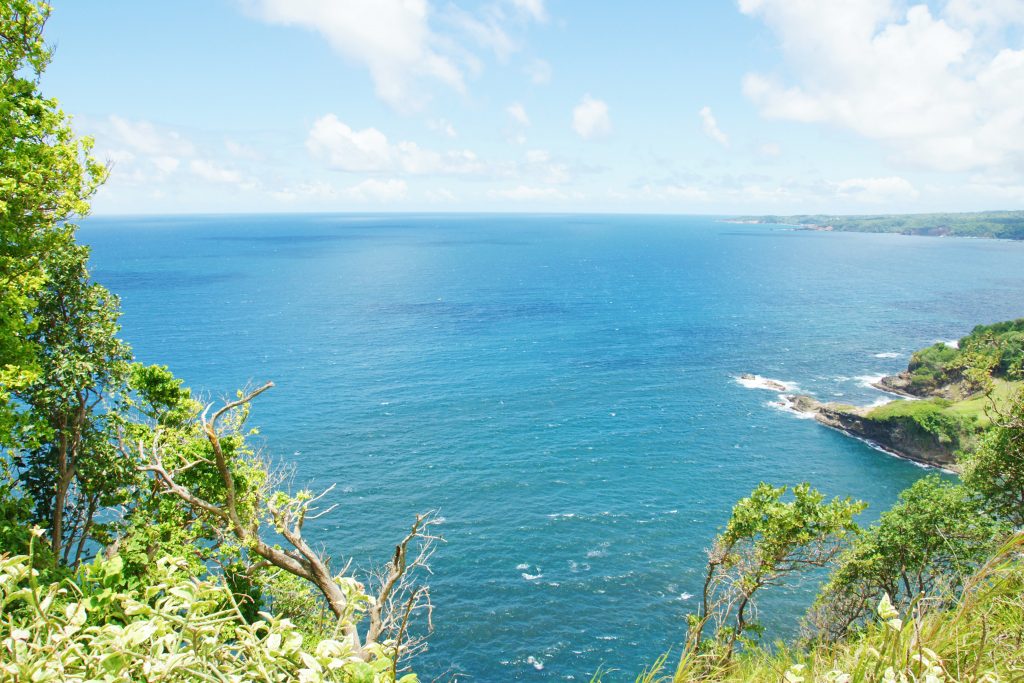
103	626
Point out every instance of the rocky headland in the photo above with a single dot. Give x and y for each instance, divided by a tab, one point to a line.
899	435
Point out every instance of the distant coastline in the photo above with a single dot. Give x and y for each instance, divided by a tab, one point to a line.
987	224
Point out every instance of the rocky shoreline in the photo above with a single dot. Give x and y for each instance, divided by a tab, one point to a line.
896	437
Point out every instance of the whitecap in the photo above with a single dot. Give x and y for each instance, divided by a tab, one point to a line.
522	566
535	663
785	404
766	383
951	343
562	515
868	381
888	354
531	577
684	596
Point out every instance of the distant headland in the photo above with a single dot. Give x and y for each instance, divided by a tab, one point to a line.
986	224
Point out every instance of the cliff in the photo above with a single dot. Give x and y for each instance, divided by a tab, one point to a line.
904	433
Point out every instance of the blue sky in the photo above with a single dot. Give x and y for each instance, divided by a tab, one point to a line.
703	106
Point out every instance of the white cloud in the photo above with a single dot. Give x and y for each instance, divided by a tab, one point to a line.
538	156
166	164
528	193
369	150
369	190
711	128
440	196
214	173
876	190
146	138
539	164
486	29
392	38
929	86
347	149
533	8
373	190
539	71
240	151
443	126
590	118
518	113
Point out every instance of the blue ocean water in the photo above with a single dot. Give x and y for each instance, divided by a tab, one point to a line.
562	388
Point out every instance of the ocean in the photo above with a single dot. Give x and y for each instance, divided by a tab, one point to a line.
562	389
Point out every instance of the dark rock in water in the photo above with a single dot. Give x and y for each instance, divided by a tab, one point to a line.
803	404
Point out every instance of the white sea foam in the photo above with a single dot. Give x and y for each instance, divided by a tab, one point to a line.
684	596
888	354
522	566
868	381
766	383
951	343
785	404
531	577
562	515
535	663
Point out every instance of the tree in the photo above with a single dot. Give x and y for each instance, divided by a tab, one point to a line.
925	545
995	469
57	344
232	494
767	542
46	178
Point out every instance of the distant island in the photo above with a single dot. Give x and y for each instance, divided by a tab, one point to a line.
953	388
988	224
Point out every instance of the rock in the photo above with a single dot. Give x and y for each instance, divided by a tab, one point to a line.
803	404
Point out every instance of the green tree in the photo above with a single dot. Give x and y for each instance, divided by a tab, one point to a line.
46	178
57	350
769	541
995	469
925	545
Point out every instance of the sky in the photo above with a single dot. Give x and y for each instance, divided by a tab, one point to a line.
653	106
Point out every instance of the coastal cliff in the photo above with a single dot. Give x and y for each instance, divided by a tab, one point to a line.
953	388
903	435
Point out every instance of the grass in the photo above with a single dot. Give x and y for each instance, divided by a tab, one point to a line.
978	407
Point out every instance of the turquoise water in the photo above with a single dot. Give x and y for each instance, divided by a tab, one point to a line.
561	388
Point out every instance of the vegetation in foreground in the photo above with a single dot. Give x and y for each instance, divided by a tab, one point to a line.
992	224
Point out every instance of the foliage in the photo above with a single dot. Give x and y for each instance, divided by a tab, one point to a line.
106	626
924	546
995	469
768	541
46	177
930	418
58	351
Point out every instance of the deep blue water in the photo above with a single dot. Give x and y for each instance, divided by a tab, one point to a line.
560	387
